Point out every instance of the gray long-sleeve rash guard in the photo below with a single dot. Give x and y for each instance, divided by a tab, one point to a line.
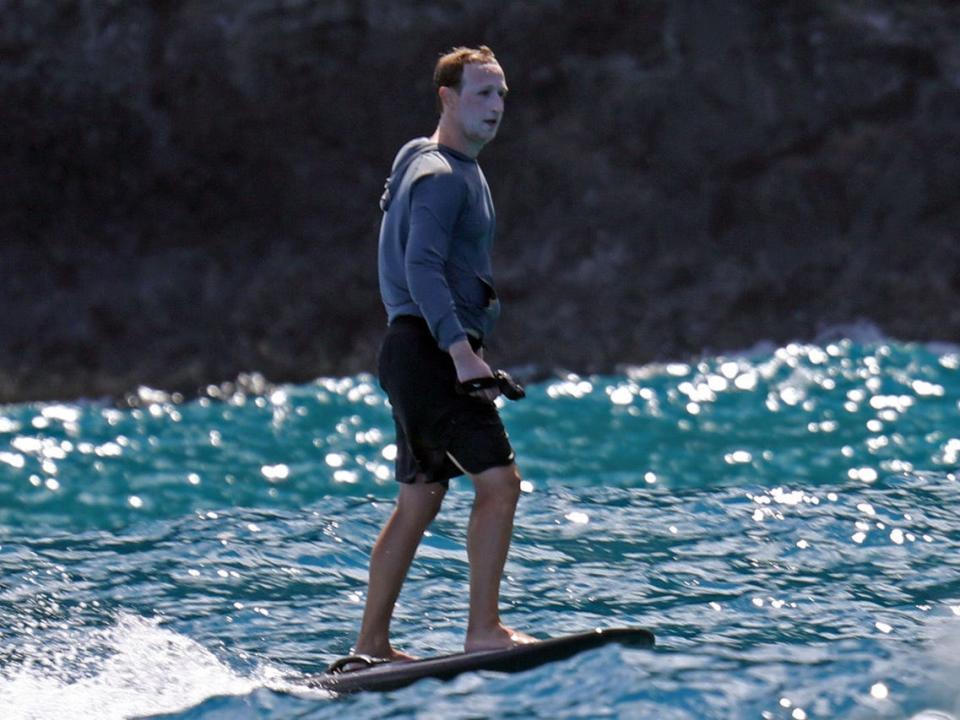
435	242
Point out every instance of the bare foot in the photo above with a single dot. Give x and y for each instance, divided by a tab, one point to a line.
388	654
498	637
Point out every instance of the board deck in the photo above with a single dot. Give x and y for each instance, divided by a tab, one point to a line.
390	676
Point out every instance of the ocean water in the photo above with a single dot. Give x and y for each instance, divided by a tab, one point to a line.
786	521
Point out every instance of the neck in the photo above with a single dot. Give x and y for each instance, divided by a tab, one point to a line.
447	136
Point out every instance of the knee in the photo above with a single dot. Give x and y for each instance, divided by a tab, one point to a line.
420	503
499	485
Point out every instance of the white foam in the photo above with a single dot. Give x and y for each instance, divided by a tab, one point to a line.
146	670
944	652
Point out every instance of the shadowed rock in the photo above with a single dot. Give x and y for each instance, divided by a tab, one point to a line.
190	188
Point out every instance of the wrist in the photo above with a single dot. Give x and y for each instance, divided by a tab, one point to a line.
460	349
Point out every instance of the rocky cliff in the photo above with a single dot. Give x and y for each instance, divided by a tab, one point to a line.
190	188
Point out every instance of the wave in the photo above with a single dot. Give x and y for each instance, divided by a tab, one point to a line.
132	668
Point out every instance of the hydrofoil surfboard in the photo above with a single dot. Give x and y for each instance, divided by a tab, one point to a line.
381	675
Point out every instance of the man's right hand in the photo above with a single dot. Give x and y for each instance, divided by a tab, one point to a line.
471	366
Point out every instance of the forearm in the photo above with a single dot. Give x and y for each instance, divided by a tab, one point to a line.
429	289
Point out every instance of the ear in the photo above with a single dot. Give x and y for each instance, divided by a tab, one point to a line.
447	96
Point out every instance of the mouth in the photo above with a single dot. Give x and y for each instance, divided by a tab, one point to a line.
491	123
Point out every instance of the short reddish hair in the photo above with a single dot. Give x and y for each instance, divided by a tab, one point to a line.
449	69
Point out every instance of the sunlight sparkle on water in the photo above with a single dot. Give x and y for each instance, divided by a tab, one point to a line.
738	457
865	474
621	395
346	476
14	460
951	452
572	387
275	473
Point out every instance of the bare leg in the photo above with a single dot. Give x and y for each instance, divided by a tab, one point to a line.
488	540
417	505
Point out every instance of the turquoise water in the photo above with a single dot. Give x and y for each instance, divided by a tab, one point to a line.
785	520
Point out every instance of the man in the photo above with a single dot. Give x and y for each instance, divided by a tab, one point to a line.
437	287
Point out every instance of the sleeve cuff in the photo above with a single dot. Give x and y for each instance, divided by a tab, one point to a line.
448	331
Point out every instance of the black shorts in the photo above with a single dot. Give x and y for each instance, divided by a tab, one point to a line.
440	433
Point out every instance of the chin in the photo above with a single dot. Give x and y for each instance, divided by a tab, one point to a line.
482	138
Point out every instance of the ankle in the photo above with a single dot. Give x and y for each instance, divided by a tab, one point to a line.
485	628
373	646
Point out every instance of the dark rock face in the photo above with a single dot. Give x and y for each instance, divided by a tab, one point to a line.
190	188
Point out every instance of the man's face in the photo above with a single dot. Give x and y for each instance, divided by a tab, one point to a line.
478	106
